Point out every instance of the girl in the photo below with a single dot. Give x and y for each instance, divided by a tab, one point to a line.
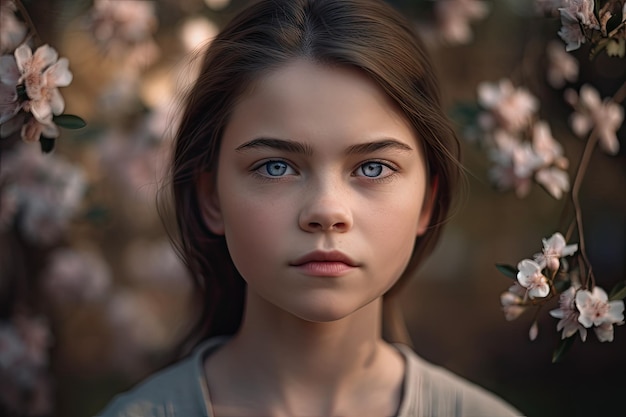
312	173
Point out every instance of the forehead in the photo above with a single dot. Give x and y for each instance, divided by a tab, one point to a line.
307	101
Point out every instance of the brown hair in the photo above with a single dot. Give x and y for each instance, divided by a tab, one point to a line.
364	34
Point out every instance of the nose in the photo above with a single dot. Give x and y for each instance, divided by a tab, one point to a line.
325	208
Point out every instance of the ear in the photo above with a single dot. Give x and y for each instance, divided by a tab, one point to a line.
206	189
428	206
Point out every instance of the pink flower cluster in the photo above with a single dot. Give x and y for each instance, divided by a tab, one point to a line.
605	116
581	23
532	281
29	82
522	148
46	191
124	29
579	309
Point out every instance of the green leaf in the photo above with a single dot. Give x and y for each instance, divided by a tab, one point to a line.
618	292
69	121
507	270
562	348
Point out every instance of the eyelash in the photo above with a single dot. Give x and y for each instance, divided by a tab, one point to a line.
266	176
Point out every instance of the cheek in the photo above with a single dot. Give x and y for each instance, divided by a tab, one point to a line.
252	231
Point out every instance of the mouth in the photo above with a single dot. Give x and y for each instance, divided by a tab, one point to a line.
320	263
329	257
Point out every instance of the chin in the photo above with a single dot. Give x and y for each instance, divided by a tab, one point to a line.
324	312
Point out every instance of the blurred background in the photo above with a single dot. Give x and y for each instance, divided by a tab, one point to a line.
93	298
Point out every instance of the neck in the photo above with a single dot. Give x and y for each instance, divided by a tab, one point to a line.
310	368
292	347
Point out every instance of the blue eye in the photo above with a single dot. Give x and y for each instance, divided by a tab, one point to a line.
372	169
275	169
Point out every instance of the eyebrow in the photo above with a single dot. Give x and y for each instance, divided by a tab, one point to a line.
304	149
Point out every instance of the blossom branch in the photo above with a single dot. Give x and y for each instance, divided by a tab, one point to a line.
592	141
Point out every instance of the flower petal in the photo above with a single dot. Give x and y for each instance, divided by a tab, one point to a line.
59	75
23	55
57	104
44	57
40	109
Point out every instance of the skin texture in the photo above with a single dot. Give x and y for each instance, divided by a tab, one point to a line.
315	162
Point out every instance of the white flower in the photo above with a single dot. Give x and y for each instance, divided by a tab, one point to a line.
582	11
546	147
454	18
124	29
41	74
533	332
596	309
512	300
48	191
511	108
554	180
568	315
76	275
530	277
562	66
554	248
607	117
576	15
33	129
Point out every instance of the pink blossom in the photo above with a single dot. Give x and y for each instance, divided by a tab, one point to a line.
512	302
533	332
41	74
562	66
606	116
34	129
76	275
568	315
554	249
596	309
546	147
504	178
454	18
511	108
48	191
530	277
582	11
125	29
554	180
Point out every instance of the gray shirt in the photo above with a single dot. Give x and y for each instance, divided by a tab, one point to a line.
429	391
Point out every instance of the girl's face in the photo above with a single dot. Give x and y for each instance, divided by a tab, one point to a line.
319	192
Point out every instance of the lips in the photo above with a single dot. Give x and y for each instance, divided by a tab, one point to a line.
321	256
325	264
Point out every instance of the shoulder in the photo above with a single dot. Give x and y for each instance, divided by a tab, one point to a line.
162	394
178	390
436	391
